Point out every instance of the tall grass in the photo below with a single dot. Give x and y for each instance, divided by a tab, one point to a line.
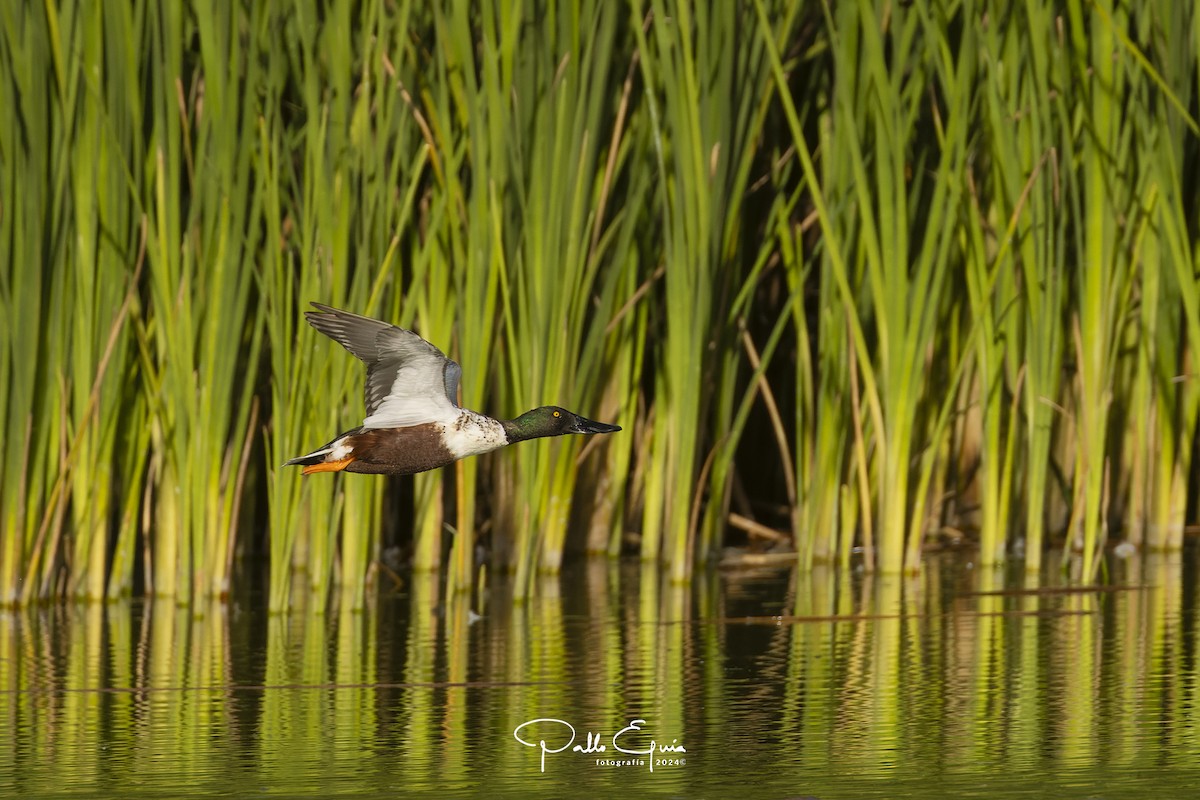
865	275
66	390
468	112
1025	124
1104	193
706	87
336	222
568	251
200	260
1169	315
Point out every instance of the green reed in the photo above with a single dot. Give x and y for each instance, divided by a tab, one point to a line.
890	274
467	109
568	252
200	260
1103	193
30	398
1025	121
103	283
345	203
623	364
753	249
1167	413
706	84
63	451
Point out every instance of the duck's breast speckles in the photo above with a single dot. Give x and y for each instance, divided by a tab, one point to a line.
472	434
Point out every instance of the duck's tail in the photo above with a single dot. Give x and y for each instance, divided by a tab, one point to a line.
315	457
322	460
332	457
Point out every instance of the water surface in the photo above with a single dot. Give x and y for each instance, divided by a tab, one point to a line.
959	683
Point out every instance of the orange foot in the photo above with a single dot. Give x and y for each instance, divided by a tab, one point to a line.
328	466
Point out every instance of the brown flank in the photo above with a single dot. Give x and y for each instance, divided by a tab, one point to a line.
392	451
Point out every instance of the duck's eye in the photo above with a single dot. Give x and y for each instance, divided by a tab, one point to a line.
557	414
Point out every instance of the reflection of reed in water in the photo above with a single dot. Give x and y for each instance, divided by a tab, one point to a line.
955	673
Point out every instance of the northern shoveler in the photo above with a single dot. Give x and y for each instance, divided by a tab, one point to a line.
414	422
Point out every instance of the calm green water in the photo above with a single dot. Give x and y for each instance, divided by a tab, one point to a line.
771	684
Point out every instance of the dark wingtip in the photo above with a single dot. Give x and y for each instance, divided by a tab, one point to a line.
323	311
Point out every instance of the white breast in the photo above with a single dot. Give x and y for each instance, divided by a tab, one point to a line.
472	434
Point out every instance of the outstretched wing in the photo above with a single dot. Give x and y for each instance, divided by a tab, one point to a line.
409	381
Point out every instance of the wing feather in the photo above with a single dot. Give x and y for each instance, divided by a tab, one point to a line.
409	381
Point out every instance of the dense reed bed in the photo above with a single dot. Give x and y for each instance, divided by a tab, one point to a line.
854	275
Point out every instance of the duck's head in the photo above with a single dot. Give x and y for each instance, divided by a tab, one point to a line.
552	421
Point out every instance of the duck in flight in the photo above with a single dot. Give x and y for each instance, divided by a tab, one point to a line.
414	422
